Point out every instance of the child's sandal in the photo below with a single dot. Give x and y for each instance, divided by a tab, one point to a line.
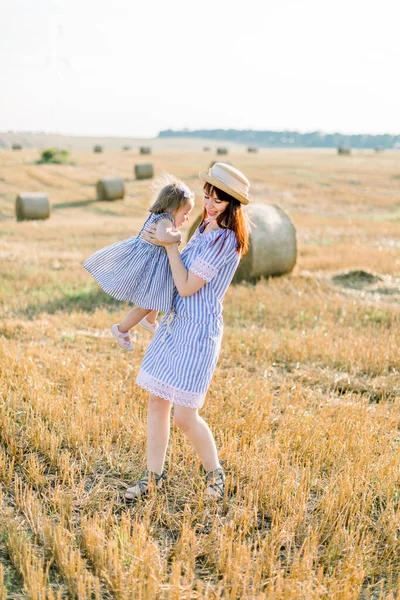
152	327
123	339
141	487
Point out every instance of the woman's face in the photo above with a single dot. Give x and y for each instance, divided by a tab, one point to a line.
214	206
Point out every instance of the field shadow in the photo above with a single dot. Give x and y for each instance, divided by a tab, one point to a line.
75	204
80	302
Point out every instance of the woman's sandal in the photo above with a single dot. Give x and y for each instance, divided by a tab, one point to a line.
215	481
141	487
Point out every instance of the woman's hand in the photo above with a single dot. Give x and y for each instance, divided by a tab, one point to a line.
149	235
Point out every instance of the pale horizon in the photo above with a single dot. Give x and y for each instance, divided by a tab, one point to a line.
86	70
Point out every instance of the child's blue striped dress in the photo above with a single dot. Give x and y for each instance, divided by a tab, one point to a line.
180	360
135	270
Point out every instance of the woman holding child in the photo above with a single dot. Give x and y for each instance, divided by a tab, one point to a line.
179	363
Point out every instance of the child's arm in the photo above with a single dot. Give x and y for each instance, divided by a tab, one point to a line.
165	232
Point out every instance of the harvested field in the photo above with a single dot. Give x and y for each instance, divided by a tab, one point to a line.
304	404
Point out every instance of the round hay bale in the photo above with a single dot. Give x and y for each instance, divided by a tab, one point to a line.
32	205
145	150
273	246
97	148
222	150
144	171
17	146
110	188
344	150
252	150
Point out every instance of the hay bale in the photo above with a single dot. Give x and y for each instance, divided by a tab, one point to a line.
252	150
110	188
344	150
222	150
144	171
32	205
97	148
16	146
273	246
145	150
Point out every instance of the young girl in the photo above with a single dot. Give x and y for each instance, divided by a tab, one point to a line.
137	270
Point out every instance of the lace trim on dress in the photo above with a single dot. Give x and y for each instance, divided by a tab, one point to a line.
203	269
169	392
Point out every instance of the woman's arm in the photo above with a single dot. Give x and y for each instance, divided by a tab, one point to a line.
187	283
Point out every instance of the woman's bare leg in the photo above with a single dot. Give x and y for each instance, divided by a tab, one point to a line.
158	427
132	319
199	434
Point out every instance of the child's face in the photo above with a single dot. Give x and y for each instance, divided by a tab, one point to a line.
182	215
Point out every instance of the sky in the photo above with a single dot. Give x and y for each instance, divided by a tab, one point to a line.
130	68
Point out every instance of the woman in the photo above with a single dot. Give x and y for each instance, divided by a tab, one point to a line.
180	361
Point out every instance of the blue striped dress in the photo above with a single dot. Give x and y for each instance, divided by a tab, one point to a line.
179	362
135	270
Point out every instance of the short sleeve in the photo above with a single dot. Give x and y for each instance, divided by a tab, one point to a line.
161	216
214	256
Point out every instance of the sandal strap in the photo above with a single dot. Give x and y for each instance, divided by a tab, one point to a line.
144	481
216	480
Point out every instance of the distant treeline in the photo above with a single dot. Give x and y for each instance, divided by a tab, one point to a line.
293	139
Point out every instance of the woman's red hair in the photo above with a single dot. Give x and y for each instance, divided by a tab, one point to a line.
232	218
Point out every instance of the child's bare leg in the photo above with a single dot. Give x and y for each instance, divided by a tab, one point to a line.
152	316
133	318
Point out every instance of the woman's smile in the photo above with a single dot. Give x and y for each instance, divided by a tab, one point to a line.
214	206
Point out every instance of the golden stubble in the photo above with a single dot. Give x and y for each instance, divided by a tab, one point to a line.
304	403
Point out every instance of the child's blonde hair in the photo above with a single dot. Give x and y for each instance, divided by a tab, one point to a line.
169	194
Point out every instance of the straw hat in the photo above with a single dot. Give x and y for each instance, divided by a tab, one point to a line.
229	180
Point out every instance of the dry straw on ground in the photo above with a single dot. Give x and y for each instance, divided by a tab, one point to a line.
304	403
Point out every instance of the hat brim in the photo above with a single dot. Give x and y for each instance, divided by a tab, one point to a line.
225	188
